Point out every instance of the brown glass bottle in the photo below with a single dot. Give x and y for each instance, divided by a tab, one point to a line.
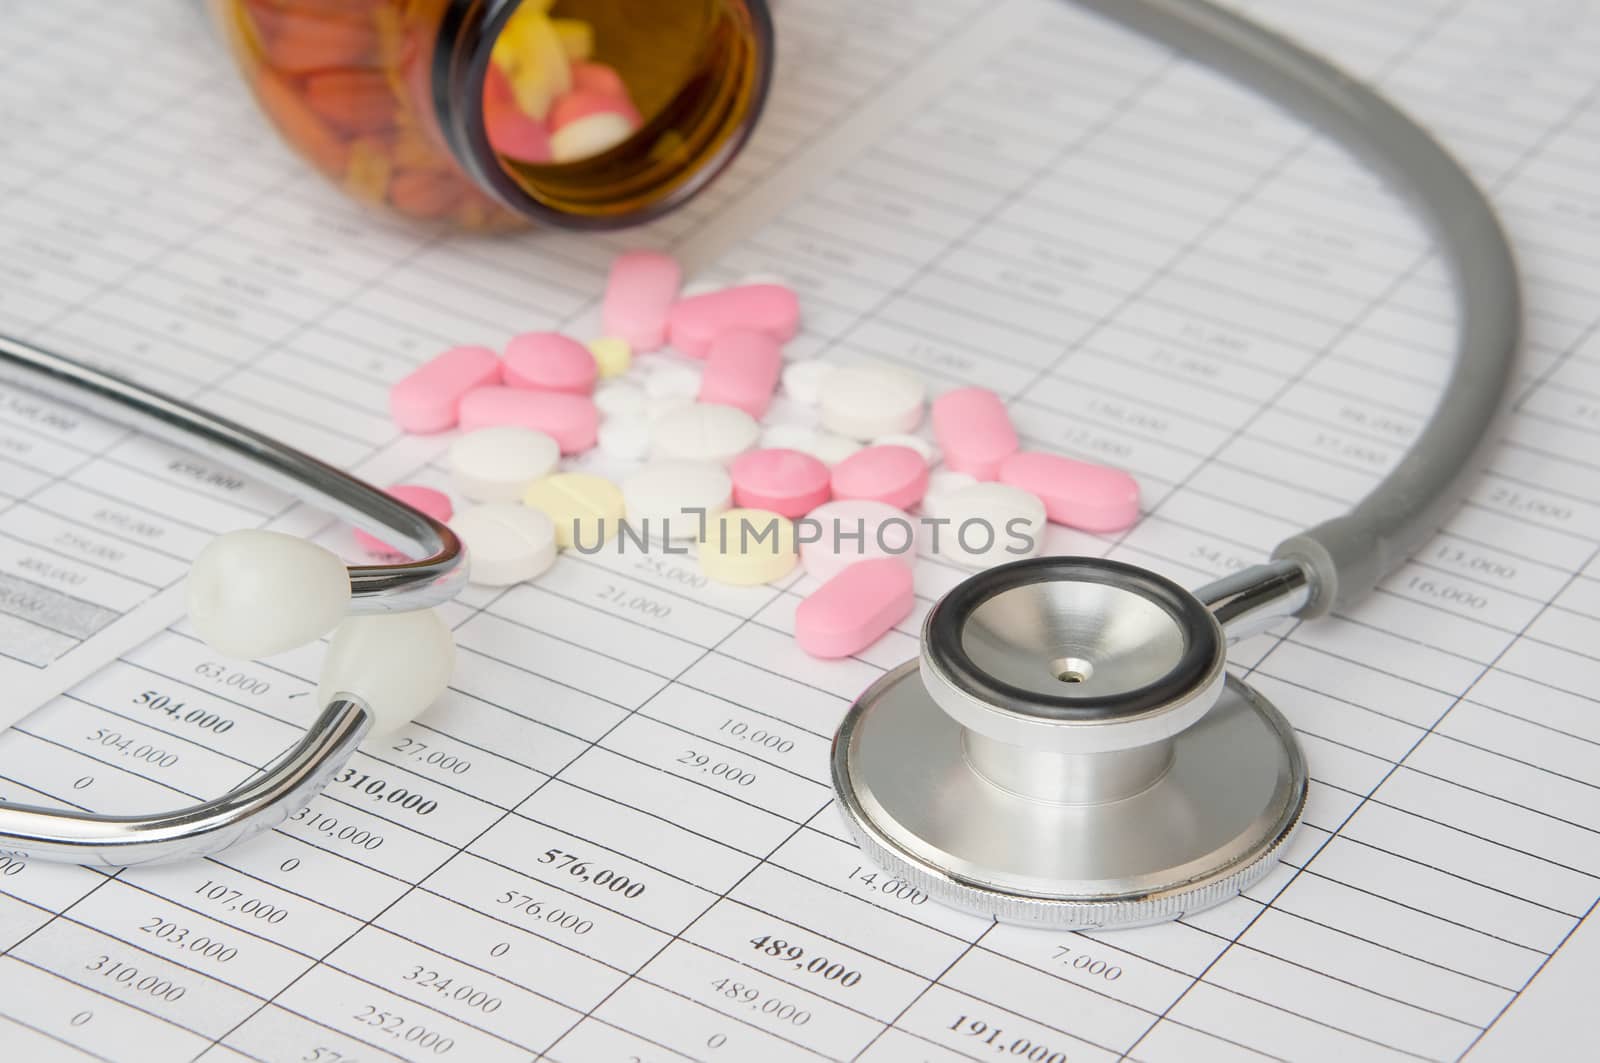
388	98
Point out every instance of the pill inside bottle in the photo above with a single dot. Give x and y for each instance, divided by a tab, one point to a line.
567	113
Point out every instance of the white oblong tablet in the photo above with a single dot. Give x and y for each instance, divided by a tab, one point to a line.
942	482
627	438
620	398
703	432
866	401
669	500
497	464
989	524
506	542
802	381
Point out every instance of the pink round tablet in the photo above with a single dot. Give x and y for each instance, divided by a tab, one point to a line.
1096	498
575	105
974	430
887	473
786	482
429	398
549	361
855	608
513	133
435	504
571	420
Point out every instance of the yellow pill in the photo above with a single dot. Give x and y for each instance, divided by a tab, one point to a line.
576	36
540	71
612	355
585	509
746	547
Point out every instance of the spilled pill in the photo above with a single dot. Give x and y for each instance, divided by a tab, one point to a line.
767	308
989	524
549	361
506	542
669	500
1095	498
640	293
974	430
429	399
612	355
895	475
840	533
866	401
747	547
585	509
802	381
701	432
855	608
498	464
787	482
742	370
571	420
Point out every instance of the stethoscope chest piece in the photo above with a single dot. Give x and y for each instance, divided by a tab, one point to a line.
1068	751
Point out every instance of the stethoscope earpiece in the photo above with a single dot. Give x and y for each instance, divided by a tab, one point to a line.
259	593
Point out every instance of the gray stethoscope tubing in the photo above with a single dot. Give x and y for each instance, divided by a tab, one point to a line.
1345	557
287	784
1327	566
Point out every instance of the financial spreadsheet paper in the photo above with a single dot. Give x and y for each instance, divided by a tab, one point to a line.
614	838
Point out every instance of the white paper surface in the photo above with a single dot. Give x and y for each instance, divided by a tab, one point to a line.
1157	270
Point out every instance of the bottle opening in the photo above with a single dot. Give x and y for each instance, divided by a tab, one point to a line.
609	112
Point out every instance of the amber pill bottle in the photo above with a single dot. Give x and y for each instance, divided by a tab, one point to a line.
391	100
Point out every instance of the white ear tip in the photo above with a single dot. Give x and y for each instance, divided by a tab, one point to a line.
397	663
256	593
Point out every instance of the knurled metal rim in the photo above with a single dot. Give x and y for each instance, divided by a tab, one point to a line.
1108	913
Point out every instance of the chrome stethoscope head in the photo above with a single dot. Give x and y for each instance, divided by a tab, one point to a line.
1068	751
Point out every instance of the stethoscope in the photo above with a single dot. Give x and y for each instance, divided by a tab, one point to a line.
1068	749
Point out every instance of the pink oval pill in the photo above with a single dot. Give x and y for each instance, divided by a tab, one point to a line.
429	398
639	297
435	504
742	369
787	482
887	473
974	431
855	608
599	79
575	105
549	361
513	133
770	308
1096	498
571	420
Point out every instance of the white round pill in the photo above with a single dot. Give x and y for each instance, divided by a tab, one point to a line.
497	464
989	524
506	542
802	381
831	449
788	437
865	401
704	432
619	398
673	382
657	408
943	482
700	287
670	499
627	438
